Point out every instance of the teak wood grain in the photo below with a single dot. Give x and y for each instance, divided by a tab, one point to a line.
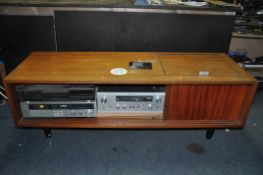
94	67
222	99
205	102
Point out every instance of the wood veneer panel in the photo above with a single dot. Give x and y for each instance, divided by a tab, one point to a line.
125	123
205	102
248	102
94	68
191	64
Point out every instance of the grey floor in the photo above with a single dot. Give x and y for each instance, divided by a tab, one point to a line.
130	152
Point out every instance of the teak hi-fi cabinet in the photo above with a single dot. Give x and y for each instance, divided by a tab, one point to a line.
202	90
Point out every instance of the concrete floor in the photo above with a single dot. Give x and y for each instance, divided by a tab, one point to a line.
130	152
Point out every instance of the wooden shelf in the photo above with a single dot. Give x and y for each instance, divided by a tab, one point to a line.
125	123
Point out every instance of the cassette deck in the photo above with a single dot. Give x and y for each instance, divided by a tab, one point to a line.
53	101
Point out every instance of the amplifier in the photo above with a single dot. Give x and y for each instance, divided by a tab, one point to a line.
128	101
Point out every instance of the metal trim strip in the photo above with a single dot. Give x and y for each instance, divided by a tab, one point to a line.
49	11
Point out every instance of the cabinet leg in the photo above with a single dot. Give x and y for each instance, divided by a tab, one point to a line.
209	133
47	133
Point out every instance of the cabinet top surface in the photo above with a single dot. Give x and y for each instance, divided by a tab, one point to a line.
95	67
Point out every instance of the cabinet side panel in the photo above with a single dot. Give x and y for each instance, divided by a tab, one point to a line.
205	102
12	102
248	102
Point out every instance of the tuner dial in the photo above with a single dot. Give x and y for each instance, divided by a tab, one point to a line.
103	100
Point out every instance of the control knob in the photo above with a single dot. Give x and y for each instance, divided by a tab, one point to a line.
118	106
103	100
149	106
158	99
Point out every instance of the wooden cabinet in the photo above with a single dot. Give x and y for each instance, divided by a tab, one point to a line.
203	90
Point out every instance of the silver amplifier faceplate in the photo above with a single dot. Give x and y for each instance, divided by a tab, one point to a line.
57	109
125	102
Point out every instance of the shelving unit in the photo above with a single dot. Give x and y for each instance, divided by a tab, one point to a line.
249	20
